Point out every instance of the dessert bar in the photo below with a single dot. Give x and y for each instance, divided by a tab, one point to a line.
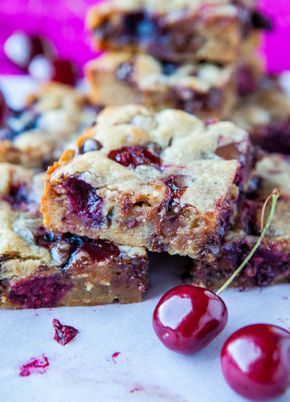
271	262
166	181
178	30
39	268
266	116
204	89
36	135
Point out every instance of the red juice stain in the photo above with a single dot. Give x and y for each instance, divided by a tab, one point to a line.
135	389
63	333
37	365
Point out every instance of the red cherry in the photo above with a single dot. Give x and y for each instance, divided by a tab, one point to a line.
21	48
187	318
256	361
60	70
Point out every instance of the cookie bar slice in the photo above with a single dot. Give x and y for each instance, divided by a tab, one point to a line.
271	262
266	116
164	181
178	31
39	268
36	135
206	90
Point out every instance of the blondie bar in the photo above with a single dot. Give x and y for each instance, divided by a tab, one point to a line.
39	268
166	181
36	135
180	30
265	114
206	90
271	262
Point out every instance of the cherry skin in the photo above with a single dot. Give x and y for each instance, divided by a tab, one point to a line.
256	361
187	318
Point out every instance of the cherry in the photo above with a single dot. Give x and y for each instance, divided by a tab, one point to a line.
42	68
21	48
135	156
18	196
187	318
84	200
38	292
256	361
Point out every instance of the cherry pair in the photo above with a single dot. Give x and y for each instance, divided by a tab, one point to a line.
255	359
35	54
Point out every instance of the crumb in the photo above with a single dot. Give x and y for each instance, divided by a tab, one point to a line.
114	356
36	365
63	333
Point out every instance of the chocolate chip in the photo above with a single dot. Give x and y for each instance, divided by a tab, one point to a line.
90	145
124	72
261	21
154	148
169	68
228	152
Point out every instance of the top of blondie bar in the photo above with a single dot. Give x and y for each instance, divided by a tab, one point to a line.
174	8
131	148
37	134
133	136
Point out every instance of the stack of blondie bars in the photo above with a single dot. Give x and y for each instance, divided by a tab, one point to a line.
196	56
156	170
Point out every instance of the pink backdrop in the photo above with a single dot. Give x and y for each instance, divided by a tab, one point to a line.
63	22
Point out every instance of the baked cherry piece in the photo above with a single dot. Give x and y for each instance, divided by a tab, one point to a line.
187	318
256	361
21	48
135	156
60	70
63	333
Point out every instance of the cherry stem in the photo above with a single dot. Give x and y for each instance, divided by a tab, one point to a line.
275	195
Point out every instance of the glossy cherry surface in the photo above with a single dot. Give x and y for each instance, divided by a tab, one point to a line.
20	48
187	318
256	361
60	70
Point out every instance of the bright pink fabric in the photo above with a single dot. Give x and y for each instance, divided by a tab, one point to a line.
277	43
63	22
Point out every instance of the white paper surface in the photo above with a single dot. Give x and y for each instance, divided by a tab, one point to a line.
144	371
